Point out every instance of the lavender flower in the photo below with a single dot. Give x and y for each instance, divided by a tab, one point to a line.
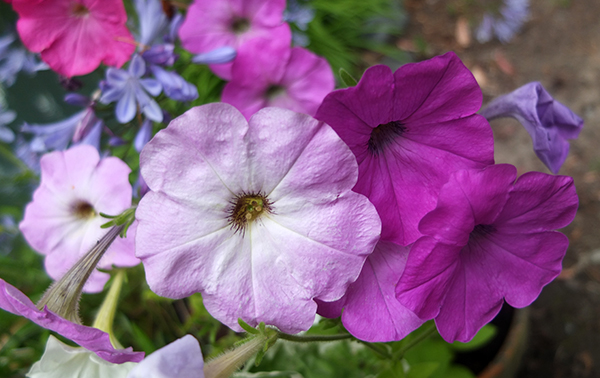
16	59
509	20
548	122
174	86
6	117
129	90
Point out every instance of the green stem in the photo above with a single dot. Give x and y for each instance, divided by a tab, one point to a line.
377	349
106	314
416	340
312	338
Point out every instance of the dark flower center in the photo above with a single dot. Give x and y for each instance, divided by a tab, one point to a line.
79	10
384	134
83	210
274	91
240	25
247	208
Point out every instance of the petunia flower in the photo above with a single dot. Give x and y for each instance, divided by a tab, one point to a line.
97	341
371	311
63	220
75	36
256	215
182	358
548	122
489	239
504	24
212	24
129	90
409	131
271	73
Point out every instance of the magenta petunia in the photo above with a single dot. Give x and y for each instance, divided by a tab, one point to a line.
14	301
271	73
371	311
210	24
488	240
75	36
409	130
63	220
256	215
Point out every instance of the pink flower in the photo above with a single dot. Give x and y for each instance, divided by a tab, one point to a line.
489	239
271	73
409	131
371	311
63	220
256	215
14	301
75	36
212	24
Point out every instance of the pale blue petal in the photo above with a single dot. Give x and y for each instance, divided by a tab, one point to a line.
126	108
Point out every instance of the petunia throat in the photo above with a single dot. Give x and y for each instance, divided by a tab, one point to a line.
240	25
247	208
83	209
384	134
79	10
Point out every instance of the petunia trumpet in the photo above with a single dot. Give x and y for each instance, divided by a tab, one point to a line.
488	240
548	122
256	215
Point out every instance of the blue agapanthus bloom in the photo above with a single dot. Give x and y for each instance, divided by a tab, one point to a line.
14	59
506	23
6	117
130	91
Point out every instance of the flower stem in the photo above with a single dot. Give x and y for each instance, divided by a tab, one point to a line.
416	340
106	314
377	349
313	338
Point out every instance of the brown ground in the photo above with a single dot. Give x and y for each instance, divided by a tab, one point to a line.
560	47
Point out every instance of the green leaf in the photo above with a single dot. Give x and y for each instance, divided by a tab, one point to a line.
268	374
422	370
459	371
485	335
347	79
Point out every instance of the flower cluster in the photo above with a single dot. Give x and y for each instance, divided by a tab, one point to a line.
379	203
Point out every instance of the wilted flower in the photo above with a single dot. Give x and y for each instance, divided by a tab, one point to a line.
74	37
489	239
182	358
505	23
212	24
63	221
271	73
409	131
256	215
129	90
548	122
97	341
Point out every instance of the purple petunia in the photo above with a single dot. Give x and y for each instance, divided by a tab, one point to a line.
271	73
409	130
14	301
548	122
489	239
256	215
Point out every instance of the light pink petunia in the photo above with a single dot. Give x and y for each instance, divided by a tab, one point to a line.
63	220
14	301
371	311
409	130
256	215
271	73
75	36
489	239
213	24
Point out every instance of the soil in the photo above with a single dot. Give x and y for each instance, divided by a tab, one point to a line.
560	47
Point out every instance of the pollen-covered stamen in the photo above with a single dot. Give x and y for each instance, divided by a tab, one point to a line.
83	209
247	208
384	134
240	25
79	10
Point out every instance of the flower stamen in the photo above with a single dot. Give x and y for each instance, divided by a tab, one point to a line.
246	208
